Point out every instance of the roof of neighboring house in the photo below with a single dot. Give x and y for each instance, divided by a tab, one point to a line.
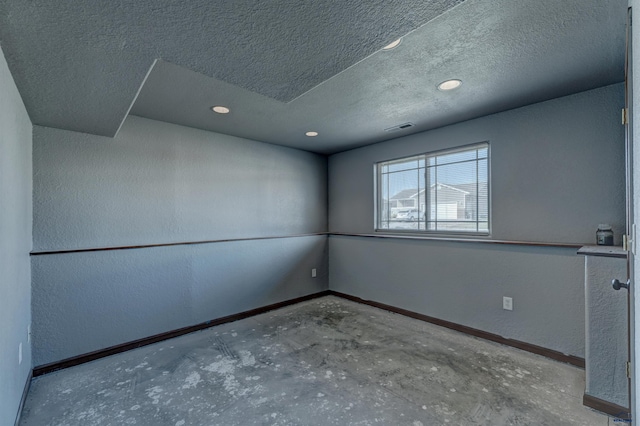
404	194
467	188
455	187
471	188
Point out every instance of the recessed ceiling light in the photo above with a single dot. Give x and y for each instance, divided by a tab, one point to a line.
311	134
393	44
220	109
449	84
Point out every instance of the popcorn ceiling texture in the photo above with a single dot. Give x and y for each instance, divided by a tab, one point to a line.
507	53
80	64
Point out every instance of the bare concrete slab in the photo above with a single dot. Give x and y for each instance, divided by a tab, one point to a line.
323	362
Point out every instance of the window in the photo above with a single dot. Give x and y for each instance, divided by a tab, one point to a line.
444	192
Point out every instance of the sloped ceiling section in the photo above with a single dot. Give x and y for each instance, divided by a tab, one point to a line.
79	63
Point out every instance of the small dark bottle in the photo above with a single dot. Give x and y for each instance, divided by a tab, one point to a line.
604	235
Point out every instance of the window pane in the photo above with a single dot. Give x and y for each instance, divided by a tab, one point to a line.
404	196
421	199
456	157
384	205
404	164
459	175
450	195
483	191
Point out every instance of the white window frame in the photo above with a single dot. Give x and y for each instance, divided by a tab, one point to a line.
378	219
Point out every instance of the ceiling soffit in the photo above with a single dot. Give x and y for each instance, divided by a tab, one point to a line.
79	64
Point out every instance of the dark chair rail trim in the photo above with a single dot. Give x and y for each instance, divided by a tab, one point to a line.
184	243
459	239
337	234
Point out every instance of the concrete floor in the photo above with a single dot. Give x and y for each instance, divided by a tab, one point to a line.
324	362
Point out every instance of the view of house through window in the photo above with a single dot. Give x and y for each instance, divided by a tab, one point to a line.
444	191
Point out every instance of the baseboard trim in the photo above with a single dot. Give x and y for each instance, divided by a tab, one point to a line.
25	392
549	353
606	407
123	347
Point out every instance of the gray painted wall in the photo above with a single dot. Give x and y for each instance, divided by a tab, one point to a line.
15	244
162	183
557	170
88	301
464	284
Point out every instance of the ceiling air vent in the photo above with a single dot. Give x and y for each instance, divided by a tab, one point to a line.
402	126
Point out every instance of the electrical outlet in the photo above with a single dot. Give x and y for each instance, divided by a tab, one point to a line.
29	333
20	353
313	273
507	303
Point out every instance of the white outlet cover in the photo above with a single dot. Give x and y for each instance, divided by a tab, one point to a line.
507	303
20	353
313	273
29	333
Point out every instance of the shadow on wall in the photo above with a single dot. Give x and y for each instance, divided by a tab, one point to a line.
245	278
92	300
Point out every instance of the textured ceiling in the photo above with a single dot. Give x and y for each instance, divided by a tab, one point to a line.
287	67
79	64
